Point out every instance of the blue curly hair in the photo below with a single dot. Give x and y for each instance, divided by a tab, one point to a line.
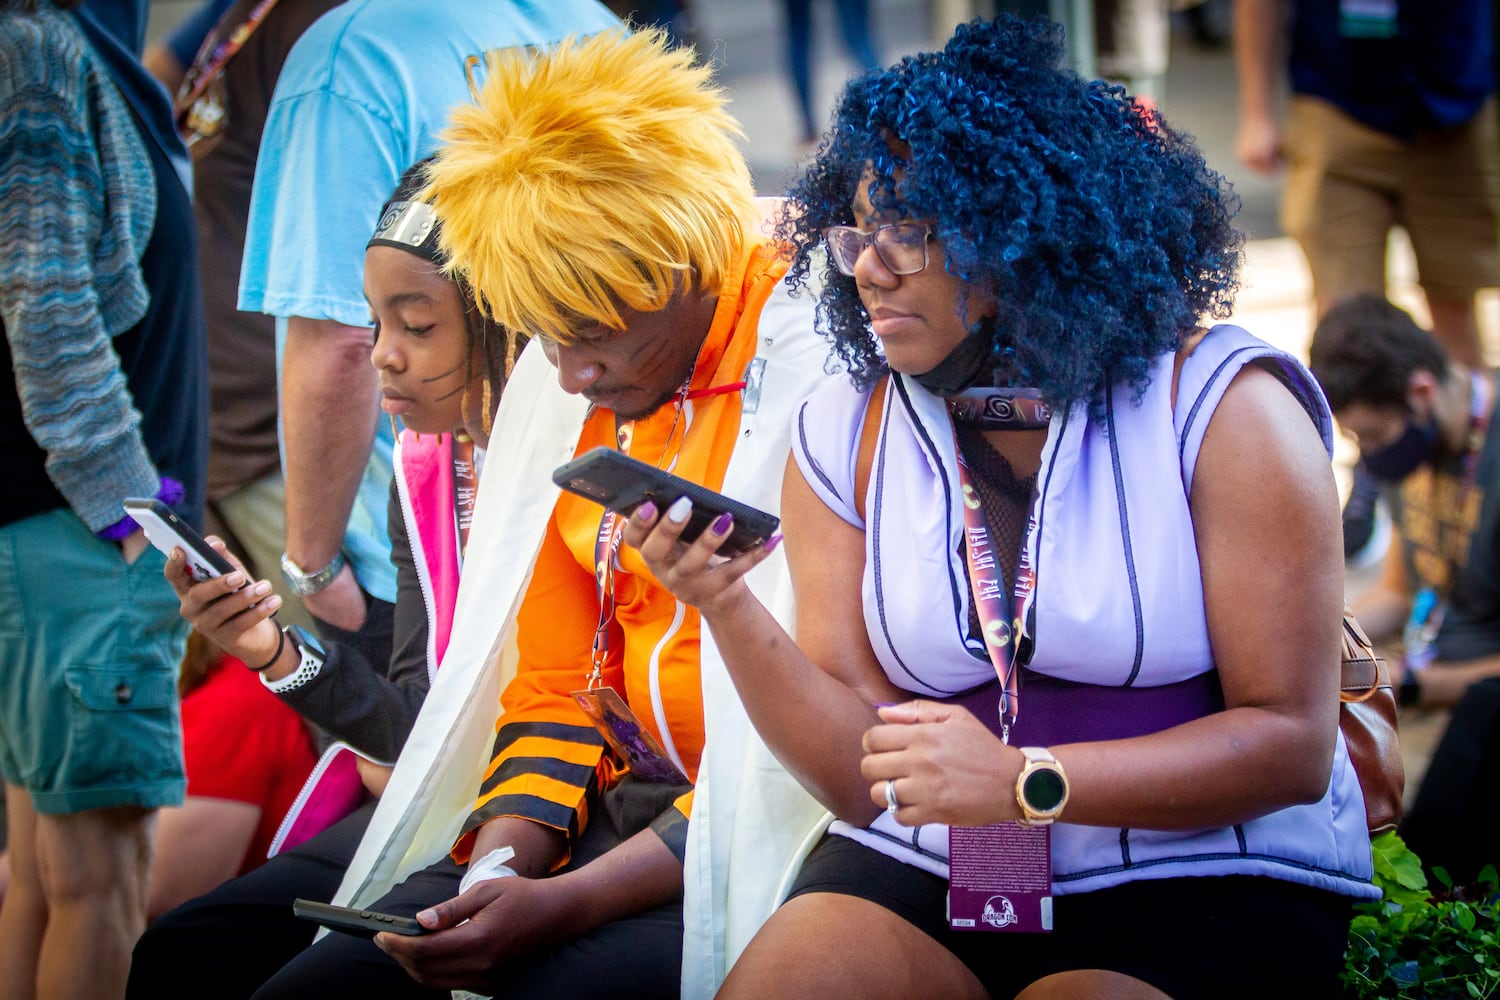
1101	231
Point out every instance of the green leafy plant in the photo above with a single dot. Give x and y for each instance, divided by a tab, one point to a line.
1415	943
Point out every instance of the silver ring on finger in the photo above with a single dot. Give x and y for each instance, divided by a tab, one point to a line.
891	805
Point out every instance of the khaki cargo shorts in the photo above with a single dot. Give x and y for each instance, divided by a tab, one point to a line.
1347	185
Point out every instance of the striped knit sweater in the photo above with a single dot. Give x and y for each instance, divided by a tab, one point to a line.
77	206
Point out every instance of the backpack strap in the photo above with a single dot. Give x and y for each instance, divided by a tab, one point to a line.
1189	345
868	435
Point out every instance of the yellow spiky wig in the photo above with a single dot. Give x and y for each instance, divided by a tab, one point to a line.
598	173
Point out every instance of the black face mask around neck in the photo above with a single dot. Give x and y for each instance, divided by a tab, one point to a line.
1404	455
961	369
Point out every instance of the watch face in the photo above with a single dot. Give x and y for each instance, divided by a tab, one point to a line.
305	639
1045	790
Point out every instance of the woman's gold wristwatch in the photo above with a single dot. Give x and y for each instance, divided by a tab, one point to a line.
1041	787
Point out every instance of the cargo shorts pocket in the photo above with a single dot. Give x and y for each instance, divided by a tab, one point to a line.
124	727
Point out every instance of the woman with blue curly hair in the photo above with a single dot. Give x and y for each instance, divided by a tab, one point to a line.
1067	567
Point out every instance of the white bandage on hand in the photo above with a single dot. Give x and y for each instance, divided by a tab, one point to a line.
492	865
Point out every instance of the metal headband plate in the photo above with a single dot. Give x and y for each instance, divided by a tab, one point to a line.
406	222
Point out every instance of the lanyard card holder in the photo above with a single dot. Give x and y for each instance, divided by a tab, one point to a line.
632	743
1000	878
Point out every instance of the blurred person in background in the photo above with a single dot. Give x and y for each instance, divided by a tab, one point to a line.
360	98
247	756
1424	424
104	339
224	91
1391	122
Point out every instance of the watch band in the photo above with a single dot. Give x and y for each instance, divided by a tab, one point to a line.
1041	787
305	584
311	657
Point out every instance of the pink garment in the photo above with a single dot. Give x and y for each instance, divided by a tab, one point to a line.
425	486
430	506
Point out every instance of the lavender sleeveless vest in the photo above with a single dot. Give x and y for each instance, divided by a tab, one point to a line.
1118	625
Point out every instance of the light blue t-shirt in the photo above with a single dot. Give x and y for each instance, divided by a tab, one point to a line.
363	95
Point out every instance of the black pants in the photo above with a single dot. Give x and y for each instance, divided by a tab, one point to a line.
639	957
243	932
242	940
1209	938
1453	822
226	943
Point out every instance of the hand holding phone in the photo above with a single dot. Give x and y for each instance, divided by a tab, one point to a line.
362	923
167	531
622	484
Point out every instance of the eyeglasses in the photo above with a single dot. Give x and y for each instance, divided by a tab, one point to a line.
901	246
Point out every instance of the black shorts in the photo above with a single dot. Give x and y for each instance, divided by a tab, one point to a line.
1210	937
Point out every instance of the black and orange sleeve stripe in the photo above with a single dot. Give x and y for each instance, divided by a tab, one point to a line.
542	771
547	755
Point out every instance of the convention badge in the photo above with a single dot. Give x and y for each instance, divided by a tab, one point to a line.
1000	878
202	122
1367	19
1419	637
632	743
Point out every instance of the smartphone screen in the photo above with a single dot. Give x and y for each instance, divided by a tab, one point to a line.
622	484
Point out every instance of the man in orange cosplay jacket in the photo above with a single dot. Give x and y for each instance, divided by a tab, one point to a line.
549	760
626	249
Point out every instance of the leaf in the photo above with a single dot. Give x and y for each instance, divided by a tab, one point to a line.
1405	973
1395	862
1410	945
1407	871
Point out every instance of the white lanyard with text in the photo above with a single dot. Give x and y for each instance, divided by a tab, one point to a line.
465	490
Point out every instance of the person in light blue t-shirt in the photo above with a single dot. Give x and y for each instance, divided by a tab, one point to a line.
363	94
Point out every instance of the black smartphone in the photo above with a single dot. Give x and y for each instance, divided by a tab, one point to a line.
167	531
622	484
364	923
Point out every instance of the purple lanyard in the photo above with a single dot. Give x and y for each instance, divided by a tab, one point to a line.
218	48
1000	632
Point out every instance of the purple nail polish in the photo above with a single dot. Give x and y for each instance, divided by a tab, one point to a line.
646	510
721	524
771	543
